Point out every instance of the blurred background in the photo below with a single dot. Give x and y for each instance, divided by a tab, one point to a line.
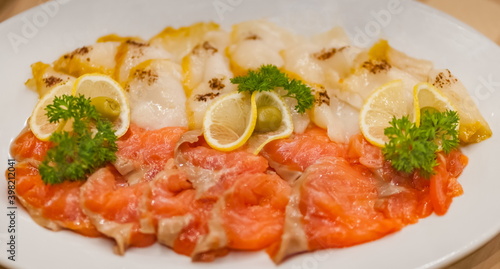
483	15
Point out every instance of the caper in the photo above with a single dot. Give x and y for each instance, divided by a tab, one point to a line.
268	119
108	107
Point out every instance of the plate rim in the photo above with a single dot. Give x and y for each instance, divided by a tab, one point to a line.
456	256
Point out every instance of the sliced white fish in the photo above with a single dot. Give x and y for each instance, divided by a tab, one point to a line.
206	76
98	57
157	98
181	41
372	74
131	53
473	127
45	78
339	118
322	59
256	43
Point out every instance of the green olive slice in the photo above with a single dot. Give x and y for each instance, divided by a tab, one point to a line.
107	106
268	119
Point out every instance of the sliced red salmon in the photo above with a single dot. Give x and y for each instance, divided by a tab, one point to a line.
254	210
52	206
171	193
412	197
362	152
27	146
117	208
194	239
338	204
301	150
203	203
238	204
146	151
444	185
346	199
401	196
172	202
333	205
212	172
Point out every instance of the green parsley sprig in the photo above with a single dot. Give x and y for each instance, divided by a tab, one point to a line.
269	77
76	154
413	147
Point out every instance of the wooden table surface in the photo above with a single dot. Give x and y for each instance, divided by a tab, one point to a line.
483	15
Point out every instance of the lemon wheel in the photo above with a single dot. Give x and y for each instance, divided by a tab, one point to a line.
95	86
389	100
427	96
283	129
230	121
38	122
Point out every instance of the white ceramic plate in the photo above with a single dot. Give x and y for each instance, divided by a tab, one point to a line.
45	32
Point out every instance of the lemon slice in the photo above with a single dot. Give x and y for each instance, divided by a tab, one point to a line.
230	121
99	85
270	99
426	95
38	121
390	100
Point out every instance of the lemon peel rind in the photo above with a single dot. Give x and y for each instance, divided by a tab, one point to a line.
366	108
35	126
258	141
437	94
250	126
123	121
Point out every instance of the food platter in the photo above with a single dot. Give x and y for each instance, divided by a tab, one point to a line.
47	31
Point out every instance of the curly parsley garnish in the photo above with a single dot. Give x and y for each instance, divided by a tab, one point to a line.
76	154
269	77
414	148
